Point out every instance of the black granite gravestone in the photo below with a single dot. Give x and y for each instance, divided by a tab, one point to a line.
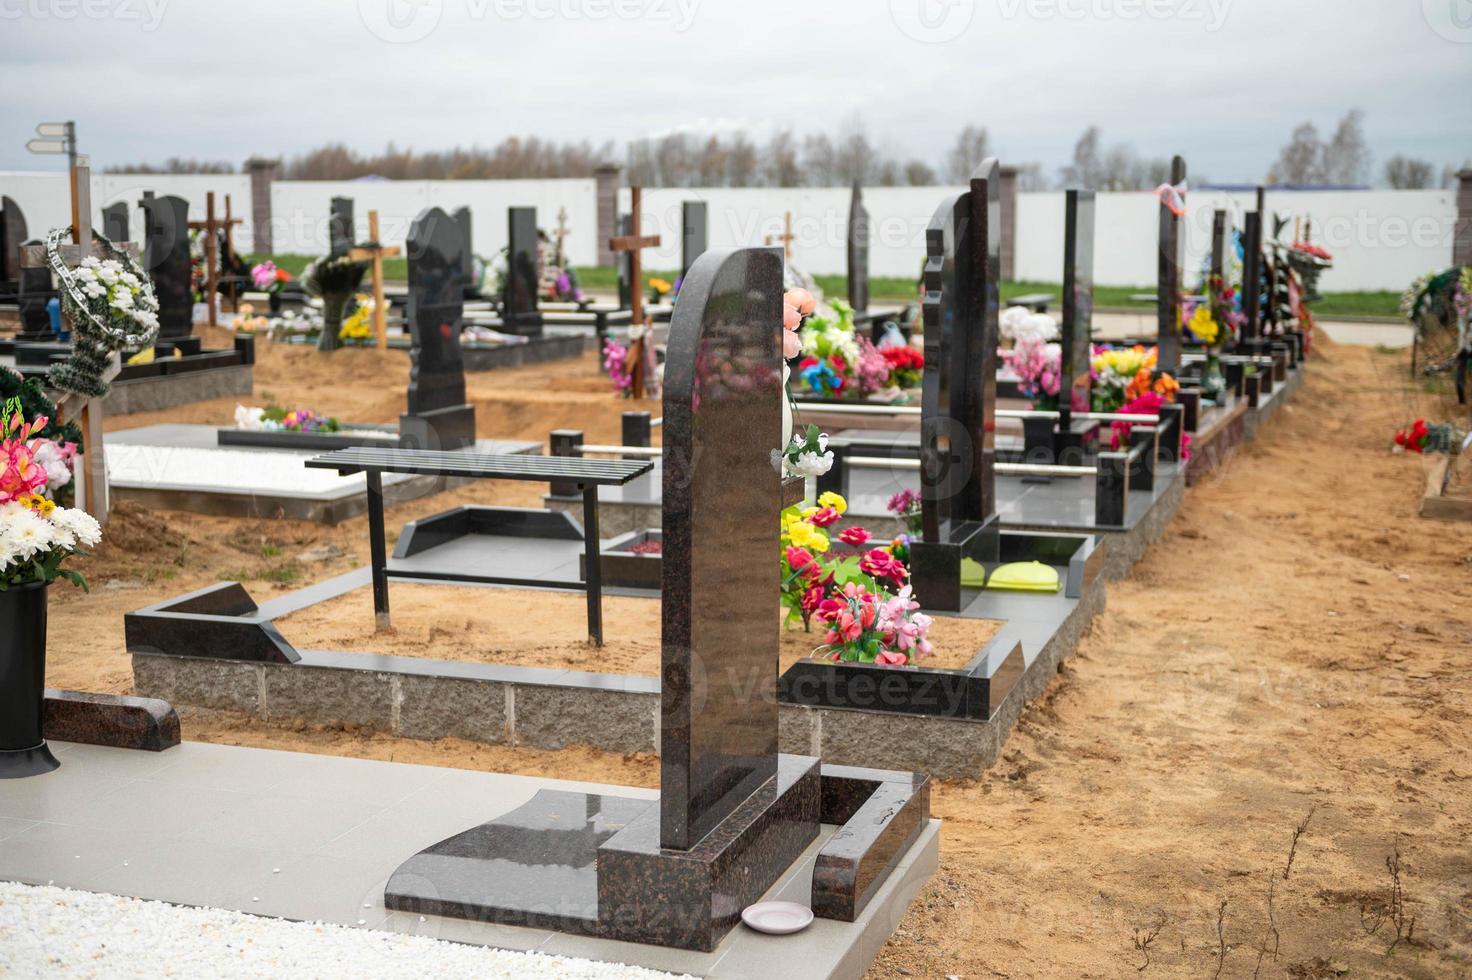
1168	280
520	313
1251	276
437	416
957	448
12	234
733	813
858	251
166	257
34	292
694	233
115	222
624	261
469	284
1076	384
340	227
1221	242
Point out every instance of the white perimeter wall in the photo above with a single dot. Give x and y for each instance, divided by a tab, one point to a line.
1380	239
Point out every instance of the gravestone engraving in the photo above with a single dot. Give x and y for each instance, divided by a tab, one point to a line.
733	814
437	416
12	234
519	310
340	227
1168	279
1078	305
166	257
858	251
115	222
694	233
957	441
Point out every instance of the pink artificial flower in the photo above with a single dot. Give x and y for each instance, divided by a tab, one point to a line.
881	564
891	658
811	598
854	536
801	299
799	559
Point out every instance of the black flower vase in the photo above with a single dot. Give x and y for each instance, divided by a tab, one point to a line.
23	751
273	301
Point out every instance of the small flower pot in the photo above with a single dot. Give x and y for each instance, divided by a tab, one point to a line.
23	751
273	301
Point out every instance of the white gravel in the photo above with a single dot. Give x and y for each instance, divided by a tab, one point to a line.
56	932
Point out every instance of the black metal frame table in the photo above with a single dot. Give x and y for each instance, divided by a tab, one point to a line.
587	475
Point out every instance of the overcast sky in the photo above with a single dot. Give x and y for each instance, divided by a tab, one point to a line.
1221	81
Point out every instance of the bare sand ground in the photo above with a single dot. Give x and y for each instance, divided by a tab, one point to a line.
1296	649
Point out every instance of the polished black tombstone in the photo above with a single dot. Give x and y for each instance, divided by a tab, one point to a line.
469	284
340	227
13	234
624	261
115	222
858	251
733	814
520	313
694	233
166	257
437	416
1076	386
1251	277
957	439
1221	242
1168	279
34	292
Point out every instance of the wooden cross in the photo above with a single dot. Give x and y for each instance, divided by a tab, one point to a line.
634	243
374	253
211	226
90	469
786	238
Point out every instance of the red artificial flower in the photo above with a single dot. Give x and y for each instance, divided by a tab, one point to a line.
824	517
799	559
854	536
881	564
811	598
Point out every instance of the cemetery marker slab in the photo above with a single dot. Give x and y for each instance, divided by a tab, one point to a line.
694	233
519	306
1168	279
438	417
858	251
1078	304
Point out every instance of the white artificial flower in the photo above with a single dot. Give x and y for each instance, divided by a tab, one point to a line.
249	418
82	526
30	533
1041	326
47	455
810	464
1012	318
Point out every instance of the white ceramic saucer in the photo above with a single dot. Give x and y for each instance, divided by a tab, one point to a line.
777	918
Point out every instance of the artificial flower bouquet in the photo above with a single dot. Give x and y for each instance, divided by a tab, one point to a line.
1018	323
274	418
1421	437
906	506
37	535
1038	365
819	578
1122	374
358	325
906	365
660	290
268	277
830	349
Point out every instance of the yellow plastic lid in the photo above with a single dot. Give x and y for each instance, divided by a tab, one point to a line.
1022	576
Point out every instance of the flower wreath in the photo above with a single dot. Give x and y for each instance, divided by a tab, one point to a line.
111	304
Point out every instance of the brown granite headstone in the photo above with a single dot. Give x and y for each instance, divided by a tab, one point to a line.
1168	279
722	419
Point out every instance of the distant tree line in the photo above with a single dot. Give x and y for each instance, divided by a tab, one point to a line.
818	159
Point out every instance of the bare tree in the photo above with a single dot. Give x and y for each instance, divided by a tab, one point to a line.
1302	160
820	161
1087	168
780	166
1347	156
1407	174
918	173
972	146
741	161
1030	177
175	165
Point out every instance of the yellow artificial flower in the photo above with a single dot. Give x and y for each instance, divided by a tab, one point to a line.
660	285
1203	325
834	500
38	503
804	535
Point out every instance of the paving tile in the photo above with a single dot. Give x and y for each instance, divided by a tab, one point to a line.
73	795
9	826
461	931
304	824
315	887
65	855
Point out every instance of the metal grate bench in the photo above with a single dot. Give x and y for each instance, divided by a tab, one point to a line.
587	475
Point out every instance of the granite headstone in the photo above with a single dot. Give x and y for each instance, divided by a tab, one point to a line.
12	234
624	261
340	227
1172	243
115	222
1251	275
520	313
166	257
469	284
694	233
1078	304
858	251
437	416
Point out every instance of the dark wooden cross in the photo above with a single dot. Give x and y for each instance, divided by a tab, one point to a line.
634	243
212	226
373	252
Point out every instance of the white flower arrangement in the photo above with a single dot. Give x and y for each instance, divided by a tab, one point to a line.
37	536
113	293
1019	323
